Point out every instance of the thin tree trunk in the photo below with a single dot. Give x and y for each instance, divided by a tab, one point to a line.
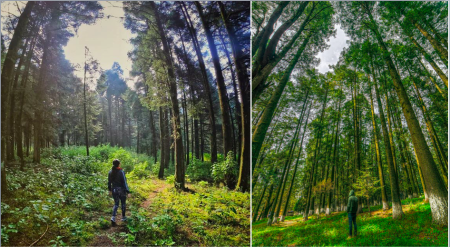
86	136
244	93
162	133
397	212
208	94
296	166
7	76
378	157
438	191
222	89
179	158
264	123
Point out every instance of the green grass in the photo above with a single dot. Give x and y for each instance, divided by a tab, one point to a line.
68	193
415	228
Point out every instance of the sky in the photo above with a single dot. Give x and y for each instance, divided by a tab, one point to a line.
107	40
331	55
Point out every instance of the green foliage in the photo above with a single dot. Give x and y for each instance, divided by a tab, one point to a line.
223	172
75	204
141	170
415	228
203	183
126	162
366	184
198	170
170	179
210	217
155	168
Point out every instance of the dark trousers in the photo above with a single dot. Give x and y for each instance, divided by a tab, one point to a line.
352	220
120	195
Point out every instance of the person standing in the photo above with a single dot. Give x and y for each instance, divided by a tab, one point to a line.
352	208
118	187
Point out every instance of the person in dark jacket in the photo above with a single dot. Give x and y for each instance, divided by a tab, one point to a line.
352	208
118	187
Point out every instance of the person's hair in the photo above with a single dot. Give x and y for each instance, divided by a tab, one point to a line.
114	169
116	162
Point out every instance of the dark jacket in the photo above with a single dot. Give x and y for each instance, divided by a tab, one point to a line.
352	206
119	180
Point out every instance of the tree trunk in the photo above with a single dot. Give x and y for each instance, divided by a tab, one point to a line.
378	156
208	94
162	134
428	57
186	130
397	212
244	93
309	200
86	136
41	85
8	71
262	72
296	165
179	158
437	190
261	128
260	41
222	89
23	84
441	51
434	139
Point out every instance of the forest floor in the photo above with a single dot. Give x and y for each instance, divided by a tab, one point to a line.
107	237
374	229
65	200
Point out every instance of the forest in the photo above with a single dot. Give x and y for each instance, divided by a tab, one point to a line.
180	125
375	123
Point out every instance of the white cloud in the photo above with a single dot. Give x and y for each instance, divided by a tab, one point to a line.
331	55
107	40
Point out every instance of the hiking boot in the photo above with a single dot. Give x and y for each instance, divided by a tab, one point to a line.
124	218
113	221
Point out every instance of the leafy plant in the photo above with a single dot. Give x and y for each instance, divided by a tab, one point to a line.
225	171
198	170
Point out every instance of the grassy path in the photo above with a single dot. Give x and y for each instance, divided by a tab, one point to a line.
374	229
106	237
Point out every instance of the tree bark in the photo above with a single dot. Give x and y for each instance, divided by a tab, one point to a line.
264	123
208	94
222	89
8	71
397	212
437	190
179	156
162	134
244	93
378	156
260	41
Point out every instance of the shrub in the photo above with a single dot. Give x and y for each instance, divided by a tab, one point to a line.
141	170
198	170
102	152
126	162
85	165
170	179
225	171
203	183
155	168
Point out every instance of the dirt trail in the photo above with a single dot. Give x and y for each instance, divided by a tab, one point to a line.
105	237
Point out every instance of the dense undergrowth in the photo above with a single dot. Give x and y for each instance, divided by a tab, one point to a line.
378	229
67	193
